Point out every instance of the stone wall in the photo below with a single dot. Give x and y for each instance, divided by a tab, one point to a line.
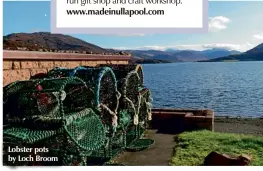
180	120
21	65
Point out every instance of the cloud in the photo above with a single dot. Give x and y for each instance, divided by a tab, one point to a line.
239	47
227	46
218	23
128	35
122	35
258	36
153	48
34	30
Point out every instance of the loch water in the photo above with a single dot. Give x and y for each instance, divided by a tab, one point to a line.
229	88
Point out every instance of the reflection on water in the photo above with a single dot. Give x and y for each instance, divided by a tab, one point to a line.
234	88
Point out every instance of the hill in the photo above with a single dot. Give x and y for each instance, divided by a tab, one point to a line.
49	42
136	60
217	52
172	55
255	54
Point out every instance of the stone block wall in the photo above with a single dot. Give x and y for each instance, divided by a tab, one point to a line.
20	65
180	120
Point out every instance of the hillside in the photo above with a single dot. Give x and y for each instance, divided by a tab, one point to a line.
136	60
257	49
217	52
49	42
255	54
172	55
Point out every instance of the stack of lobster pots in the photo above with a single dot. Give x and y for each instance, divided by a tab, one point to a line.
83	116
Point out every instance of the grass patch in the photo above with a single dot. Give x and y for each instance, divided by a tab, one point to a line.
193	147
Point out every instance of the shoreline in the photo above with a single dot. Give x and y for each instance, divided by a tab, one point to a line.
238	117
251	126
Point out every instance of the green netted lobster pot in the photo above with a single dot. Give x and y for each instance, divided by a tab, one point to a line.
135	101
102	82
121	71
55	114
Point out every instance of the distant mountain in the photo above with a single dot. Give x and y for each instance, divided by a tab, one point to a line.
153	55
189	56
255	54
171	50
173	55
217	53
147	61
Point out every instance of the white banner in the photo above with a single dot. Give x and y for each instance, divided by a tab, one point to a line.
129	13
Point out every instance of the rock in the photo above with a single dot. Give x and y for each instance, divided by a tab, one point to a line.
216	159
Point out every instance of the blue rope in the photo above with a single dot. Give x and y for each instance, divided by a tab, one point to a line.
77	69
97	82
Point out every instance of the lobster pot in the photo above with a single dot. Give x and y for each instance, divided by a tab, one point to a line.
121	71
106	96
124	121
134	142
129	105
102	82
129	88
134	132
80	134
37	100
145	108
39	110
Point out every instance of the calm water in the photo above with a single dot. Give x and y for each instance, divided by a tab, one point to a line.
234	88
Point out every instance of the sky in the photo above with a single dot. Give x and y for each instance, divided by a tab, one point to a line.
232	25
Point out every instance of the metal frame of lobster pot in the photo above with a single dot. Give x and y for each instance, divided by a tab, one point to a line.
130	104
133	98
101	81
121	71
55	114
145	111
130	79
